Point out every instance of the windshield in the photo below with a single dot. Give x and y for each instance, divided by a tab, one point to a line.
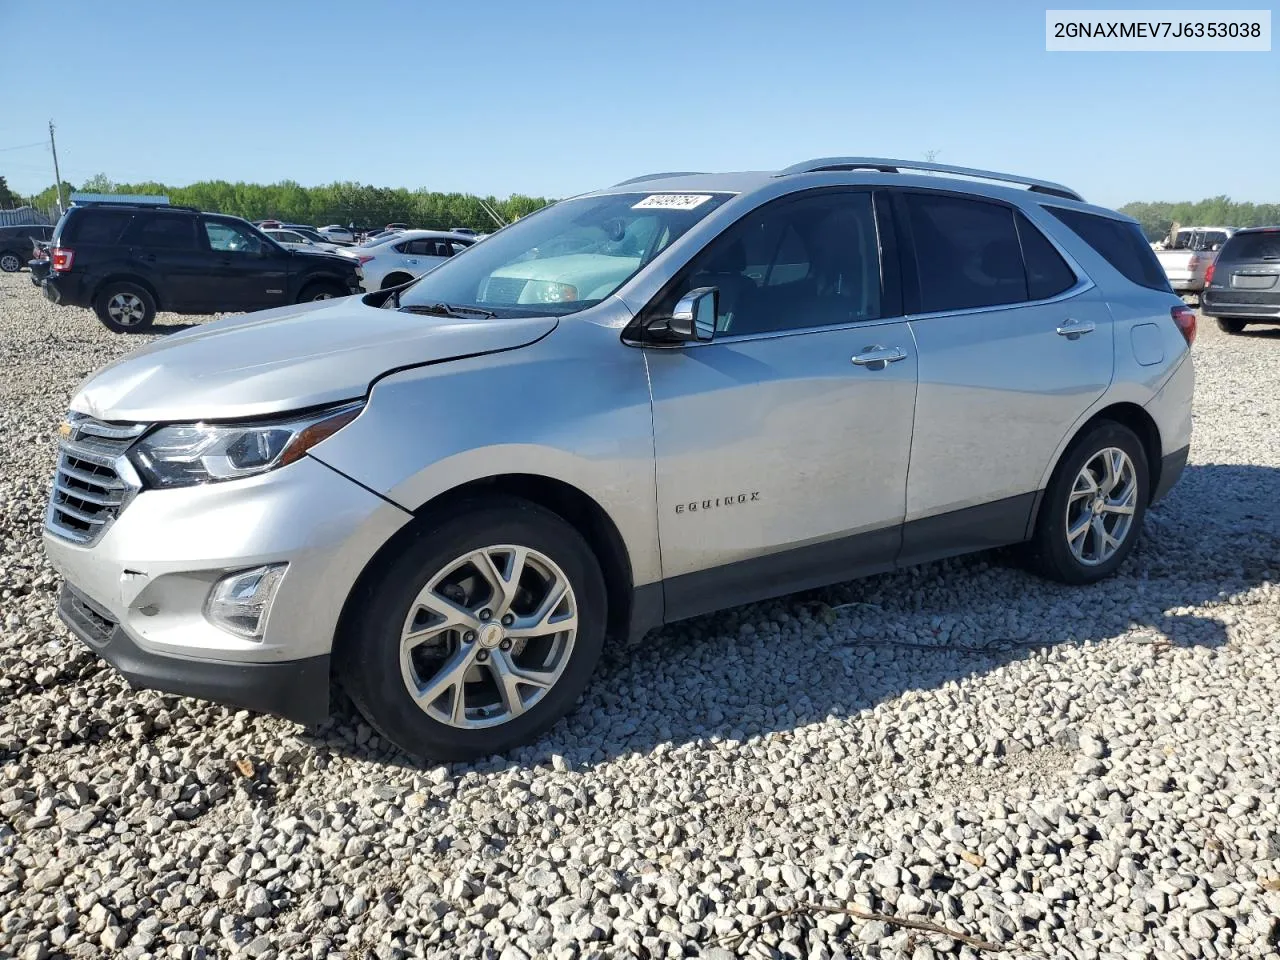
563	258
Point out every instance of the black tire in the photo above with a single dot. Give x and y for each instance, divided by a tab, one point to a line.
11	262
368	648
1230	326
322	290
125	307
1050	551
395	279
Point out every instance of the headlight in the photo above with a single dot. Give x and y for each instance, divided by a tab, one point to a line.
549	291
182	455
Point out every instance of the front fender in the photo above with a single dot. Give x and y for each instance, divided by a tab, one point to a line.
573	407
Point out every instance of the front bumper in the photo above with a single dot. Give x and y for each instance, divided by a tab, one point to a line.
297	690
150	574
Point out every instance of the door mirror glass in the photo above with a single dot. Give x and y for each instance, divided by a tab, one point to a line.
694	316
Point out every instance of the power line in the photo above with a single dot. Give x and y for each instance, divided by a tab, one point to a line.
23	146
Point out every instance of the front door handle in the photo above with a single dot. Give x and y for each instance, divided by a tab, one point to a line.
878	357
1075	329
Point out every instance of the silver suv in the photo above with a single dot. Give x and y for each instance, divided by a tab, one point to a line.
681	393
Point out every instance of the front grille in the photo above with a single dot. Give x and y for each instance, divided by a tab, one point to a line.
89	490
503	290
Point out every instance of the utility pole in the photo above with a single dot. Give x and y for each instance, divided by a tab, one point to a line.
57	177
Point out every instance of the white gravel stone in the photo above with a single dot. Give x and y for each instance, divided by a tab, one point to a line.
1084	772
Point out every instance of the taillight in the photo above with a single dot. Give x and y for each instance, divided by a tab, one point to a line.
1185	318
1208	274
61	259
362	260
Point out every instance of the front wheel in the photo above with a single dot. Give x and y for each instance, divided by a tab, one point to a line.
479	634
1092	511
1230	326
322	290
125	307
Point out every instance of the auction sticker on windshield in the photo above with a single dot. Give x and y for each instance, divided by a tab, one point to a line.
671	201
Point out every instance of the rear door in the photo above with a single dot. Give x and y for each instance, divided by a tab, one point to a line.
1014	345
424	253
248	273
166	251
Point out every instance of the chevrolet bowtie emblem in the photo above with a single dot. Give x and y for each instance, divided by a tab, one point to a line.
65	430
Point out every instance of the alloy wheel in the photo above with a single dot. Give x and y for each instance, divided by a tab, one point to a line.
1101	506
488	636
9	263
126	309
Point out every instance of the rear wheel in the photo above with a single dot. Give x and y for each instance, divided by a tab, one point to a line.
10	262
479	635
1230	326
322	290
395	279
1092	511
125	307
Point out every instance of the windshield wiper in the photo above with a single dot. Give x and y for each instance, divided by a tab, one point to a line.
448	310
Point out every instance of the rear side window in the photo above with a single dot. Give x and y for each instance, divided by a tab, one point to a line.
163	232
97	226
967	253
1120	243
1252	246
1047	273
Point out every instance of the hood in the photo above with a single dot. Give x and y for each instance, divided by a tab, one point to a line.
286	359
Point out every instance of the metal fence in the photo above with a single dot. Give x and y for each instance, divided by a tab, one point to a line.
24	215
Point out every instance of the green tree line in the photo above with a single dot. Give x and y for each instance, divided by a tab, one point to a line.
345	202
1221	211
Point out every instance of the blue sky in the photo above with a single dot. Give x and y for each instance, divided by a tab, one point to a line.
553	98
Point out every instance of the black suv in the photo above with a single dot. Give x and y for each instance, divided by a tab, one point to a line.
17	244
1243	284
129	260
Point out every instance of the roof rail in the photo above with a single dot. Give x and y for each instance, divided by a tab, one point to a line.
895	166
132	203
659	176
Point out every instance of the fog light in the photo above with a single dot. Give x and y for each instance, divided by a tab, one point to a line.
241	602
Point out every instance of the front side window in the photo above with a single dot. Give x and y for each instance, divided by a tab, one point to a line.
790	265
565	257
967	253
228	238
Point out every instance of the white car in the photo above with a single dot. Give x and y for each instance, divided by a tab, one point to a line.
407	255
336	231
292	240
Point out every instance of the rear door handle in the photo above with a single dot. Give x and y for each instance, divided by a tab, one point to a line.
878	357
1075	329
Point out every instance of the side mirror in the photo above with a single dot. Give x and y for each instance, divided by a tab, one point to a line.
694	317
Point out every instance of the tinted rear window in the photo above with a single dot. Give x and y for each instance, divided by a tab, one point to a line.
96	226
1252	246
159	231
967	253
1047	273
1120	243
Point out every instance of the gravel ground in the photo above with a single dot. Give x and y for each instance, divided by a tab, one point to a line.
1059	772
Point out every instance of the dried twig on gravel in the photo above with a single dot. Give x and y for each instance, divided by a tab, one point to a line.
857	912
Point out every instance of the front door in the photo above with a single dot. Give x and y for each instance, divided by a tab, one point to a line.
247	272
1014	348
782	445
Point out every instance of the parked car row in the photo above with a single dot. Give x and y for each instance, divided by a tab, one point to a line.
129	260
